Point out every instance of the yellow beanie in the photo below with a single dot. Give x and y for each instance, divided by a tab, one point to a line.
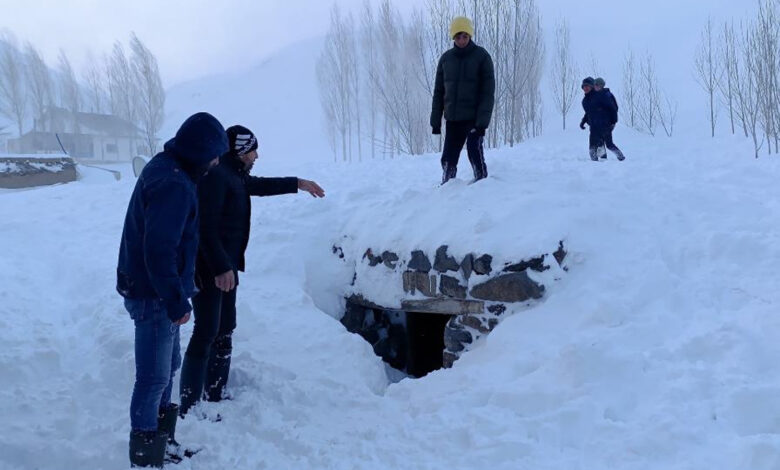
461	24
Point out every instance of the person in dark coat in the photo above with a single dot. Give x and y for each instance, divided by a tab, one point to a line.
156	275
464	93
600	115
225	204
598	87
602	103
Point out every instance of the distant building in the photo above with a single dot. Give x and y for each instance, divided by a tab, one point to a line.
83	135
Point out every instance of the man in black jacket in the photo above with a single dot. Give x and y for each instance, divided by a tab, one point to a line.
155	275
601	102
225	206
464	93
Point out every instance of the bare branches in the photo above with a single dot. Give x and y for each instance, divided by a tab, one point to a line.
70	93
39	80
94	79
631	88
708	70
564	81
384	73
150	92
729	65
13	93
647	107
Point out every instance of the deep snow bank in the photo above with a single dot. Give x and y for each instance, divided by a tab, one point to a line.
658	349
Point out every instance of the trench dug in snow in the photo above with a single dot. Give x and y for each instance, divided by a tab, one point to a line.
421	316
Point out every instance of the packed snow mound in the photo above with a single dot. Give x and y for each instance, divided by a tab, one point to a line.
658	349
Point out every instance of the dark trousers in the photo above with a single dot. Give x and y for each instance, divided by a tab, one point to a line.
600	141
459	133
207	361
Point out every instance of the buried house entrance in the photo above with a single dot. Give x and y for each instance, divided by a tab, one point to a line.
410	341
435	312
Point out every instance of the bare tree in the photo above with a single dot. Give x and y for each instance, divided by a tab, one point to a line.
649	103
387	67
708	72
631	88
404	99
39	81
564	82
13	93
748	93
729	65
333	75
70	91
151	94
524	62
369	50
667	114
122	88
438	40
766	44
93	77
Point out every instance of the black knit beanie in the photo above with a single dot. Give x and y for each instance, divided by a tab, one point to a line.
587	81
241	140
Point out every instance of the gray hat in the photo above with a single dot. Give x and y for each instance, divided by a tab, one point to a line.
599	82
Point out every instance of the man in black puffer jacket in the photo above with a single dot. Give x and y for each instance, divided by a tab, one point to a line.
464	93
155	275
225	207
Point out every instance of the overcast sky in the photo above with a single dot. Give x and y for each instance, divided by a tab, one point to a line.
193	38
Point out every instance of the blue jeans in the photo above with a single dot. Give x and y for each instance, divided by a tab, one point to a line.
157	357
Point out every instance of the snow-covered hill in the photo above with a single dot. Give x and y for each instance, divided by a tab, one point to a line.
277	99
658	349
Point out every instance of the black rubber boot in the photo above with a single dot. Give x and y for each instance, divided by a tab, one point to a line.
193	376
218	370
166	422
147	449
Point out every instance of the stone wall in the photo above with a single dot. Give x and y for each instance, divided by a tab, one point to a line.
26	172
472	292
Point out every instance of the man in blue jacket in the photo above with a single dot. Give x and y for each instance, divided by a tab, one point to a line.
155	275
599	87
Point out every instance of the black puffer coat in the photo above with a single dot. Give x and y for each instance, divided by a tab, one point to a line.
225	213
465	87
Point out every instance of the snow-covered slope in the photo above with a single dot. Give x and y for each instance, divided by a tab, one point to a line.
277	99
658	349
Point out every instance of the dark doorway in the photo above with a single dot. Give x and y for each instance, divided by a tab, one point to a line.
411	342
425	332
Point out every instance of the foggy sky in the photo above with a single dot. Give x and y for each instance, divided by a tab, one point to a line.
194	38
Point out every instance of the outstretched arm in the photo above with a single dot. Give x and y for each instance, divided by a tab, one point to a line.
276	186
311	187
258	186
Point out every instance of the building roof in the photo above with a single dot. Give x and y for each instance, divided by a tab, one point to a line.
93	123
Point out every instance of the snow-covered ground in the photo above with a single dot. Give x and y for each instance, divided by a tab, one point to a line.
658	349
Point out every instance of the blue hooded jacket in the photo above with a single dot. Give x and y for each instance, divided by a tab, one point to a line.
160	236
600	110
